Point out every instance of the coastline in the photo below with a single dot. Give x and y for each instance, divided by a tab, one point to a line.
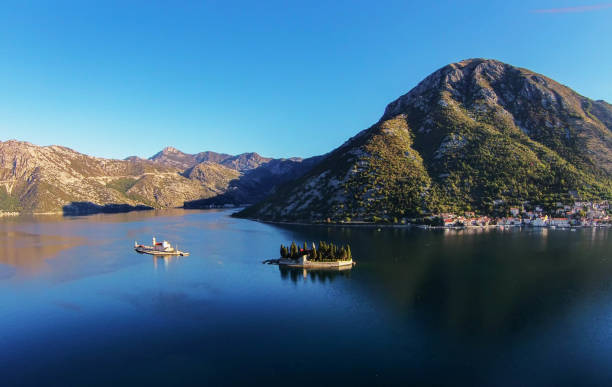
423	227
108	209
7	214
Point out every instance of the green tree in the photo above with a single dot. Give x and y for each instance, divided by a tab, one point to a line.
294	250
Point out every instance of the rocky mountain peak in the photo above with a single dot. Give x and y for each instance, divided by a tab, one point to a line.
518	99
170	149
460	79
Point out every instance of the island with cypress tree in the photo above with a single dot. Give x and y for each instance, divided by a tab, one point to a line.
325	255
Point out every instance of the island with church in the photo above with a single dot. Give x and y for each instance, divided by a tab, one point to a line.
325	255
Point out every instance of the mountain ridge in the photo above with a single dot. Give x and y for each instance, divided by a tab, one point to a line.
472	134
469	135
53	178
242	162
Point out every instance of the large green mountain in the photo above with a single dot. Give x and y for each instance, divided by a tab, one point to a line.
472	134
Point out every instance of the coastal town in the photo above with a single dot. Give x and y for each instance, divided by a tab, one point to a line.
578	214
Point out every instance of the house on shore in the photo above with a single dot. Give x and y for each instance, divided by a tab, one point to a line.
560	222
540	221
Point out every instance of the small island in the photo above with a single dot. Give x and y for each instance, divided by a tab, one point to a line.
325	255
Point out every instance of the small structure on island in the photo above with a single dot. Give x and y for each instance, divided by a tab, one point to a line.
326	255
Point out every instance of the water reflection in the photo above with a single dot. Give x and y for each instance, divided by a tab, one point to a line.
104	218
316	275
162	262
473	282
29	251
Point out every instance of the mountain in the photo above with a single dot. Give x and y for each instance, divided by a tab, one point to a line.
471	135
175	158
237	179
215	177
257	183
245	161
51	178
54	178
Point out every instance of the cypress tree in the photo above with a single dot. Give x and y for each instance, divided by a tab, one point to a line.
305	246
314	253
294	250
348	252
282	251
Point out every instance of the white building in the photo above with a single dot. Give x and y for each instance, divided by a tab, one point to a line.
560	222
540	222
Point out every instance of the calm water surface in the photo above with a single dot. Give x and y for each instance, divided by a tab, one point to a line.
80	307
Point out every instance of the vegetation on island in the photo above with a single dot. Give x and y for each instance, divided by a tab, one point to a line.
324	252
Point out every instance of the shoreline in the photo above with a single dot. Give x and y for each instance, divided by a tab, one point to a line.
296	223
7	214
70	214
296	264
421	226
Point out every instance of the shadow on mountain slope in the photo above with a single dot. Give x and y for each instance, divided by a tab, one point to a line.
256	184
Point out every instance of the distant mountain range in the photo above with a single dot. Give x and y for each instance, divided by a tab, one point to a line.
241	163
472	134
246	178
41	179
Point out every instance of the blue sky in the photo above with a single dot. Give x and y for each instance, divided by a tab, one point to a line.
282	78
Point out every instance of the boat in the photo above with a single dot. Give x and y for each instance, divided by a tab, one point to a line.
159	248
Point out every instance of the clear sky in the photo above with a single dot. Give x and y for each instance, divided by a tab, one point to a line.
282	78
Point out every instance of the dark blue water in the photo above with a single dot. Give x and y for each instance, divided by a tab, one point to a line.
79	307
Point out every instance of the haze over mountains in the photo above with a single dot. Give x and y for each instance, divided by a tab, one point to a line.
470	135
